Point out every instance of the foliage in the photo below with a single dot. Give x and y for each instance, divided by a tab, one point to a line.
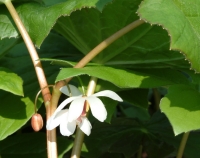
146	62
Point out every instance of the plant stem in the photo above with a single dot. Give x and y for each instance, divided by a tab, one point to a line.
104	44
139	153
157	98
182	145
39	72
107	42
33	53
76	151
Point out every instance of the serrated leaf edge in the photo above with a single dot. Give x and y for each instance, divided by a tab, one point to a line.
175	49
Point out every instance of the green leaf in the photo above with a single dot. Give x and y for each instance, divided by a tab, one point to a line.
7	44
192	145
64	62
8	29
127	78
134	96
10	81
16	111
125	136
181	19
181	106
31	145
110	107
144	45
43	17
132	111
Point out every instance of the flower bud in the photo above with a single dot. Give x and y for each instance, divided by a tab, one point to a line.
37	122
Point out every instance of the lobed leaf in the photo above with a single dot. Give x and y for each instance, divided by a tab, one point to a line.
144	45
39	18
130	133
181	19
181	106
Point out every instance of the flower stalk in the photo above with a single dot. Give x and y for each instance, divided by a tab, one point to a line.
76	151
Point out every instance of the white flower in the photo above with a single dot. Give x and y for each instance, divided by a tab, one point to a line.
67	128
76	107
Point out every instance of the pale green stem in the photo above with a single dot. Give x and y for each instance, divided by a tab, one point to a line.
76	151
182	145
51	144
104	44
139	153
107	42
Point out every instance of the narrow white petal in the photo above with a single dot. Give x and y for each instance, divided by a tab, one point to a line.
76	108
85	126
74	90
64	103
55	120
97	108
109	94
67	128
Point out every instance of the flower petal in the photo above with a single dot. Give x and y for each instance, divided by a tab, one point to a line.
55	120
85	126
74	90
97	108
67	128
76	108
109	94
64	103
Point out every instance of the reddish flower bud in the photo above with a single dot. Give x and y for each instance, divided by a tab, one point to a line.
37	122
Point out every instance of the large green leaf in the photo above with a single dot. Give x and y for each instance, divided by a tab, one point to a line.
134	96
144	45
16	111
181	19
192	144
181	106
125	136
6	44
39	18
10	81
31	145
127	78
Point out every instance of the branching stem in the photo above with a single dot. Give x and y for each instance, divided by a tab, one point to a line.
51	144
